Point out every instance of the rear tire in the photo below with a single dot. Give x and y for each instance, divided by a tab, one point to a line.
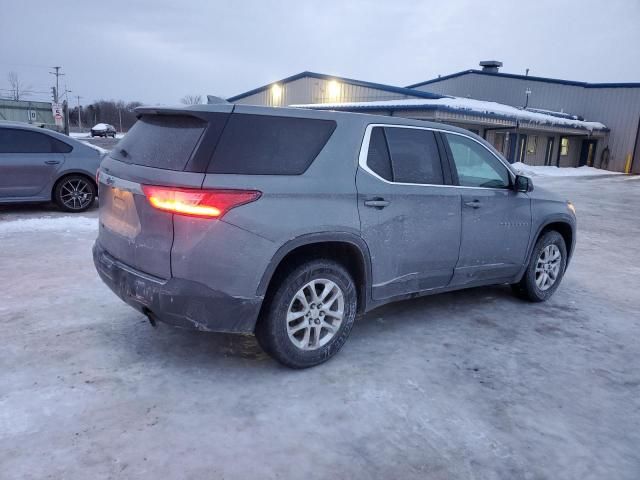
545	270
299	330
74	193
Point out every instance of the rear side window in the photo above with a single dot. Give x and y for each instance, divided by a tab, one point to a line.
25	141
59	146
378	159
160	141
269	145
414	156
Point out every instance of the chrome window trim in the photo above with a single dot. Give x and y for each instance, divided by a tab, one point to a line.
364	153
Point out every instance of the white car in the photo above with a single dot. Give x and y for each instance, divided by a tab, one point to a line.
103	130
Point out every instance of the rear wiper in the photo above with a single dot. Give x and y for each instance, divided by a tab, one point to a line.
123	152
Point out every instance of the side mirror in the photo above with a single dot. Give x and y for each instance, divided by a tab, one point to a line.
523	184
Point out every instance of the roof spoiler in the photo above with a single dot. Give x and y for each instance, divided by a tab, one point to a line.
198	111
213	100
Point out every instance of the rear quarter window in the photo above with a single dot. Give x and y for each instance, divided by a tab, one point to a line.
378	158
160	141
269	145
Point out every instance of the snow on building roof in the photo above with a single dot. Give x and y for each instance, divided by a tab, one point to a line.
467	106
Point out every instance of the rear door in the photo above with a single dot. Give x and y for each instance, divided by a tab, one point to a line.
496	220
164	148
28	162
409	217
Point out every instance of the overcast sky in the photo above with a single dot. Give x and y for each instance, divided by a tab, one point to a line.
157	51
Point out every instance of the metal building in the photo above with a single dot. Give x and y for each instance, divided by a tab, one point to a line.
36	113
555	125
311	87
617	105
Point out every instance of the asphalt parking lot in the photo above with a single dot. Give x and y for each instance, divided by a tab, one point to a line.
471	385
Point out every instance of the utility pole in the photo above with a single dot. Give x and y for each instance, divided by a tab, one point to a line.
120	117
79	113
58	75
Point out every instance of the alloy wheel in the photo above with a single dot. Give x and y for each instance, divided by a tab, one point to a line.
548	267
315	314
76	194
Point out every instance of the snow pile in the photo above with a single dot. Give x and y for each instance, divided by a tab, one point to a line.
468	105
83	135
66	224
100	126
550	171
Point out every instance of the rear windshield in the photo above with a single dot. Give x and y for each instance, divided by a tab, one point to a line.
269	145
160	141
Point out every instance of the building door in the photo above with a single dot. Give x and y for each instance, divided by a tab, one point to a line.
635	159
587	152
549	152
522	148
513	143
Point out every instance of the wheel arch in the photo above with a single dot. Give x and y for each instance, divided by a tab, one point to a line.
68	173
347	248
564	226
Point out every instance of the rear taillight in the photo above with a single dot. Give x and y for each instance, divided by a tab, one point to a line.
198	203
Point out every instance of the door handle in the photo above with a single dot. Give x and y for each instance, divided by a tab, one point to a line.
52	162
378	203
473	204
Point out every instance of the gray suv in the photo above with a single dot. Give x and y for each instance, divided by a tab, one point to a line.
38	165
288	223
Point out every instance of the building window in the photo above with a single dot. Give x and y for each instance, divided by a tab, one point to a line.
501	142
532	143
564	146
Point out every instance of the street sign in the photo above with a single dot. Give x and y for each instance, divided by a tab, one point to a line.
56	108
32	115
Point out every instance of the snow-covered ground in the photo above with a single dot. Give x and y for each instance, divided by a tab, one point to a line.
63	224
81	135
551	171
472	384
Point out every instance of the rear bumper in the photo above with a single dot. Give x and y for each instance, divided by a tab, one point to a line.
178	302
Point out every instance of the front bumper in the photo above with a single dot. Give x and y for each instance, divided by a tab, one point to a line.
179	302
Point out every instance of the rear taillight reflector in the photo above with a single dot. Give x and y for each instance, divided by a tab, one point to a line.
198	203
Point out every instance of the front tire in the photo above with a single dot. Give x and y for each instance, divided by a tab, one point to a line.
545	270
310	314
74	193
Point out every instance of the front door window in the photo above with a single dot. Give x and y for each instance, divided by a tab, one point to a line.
475	165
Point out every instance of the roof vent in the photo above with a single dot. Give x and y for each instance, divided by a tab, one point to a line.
490	66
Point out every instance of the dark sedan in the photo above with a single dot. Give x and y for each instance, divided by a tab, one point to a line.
103	130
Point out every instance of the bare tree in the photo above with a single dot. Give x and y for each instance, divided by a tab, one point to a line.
191	99
17	89
107	111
